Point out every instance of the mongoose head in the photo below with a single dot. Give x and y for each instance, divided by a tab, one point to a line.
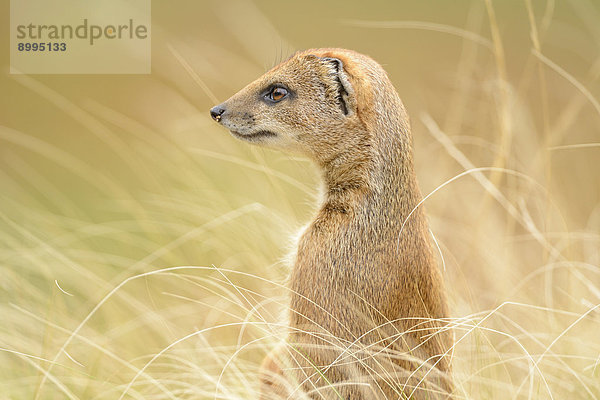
320	102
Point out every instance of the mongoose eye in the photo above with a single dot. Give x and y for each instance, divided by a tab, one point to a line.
277	94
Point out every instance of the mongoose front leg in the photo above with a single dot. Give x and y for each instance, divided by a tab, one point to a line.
273	384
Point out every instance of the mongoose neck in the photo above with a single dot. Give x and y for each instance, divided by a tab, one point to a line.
378	173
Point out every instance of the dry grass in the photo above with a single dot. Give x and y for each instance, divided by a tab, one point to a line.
142	250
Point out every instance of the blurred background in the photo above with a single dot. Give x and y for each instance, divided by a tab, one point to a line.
142	248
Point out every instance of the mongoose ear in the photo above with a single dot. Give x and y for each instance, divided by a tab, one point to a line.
345	91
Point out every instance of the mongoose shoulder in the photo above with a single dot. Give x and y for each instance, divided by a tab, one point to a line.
368	308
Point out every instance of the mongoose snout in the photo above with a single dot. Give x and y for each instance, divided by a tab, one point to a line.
368	314
216	112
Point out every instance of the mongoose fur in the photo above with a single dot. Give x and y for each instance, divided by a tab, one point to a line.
368	309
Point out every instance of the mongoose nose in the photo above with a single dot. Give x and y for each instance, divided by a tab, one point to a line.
216	112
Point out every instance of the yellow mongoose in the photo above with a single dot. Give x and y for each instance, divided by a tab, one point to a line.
368	304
